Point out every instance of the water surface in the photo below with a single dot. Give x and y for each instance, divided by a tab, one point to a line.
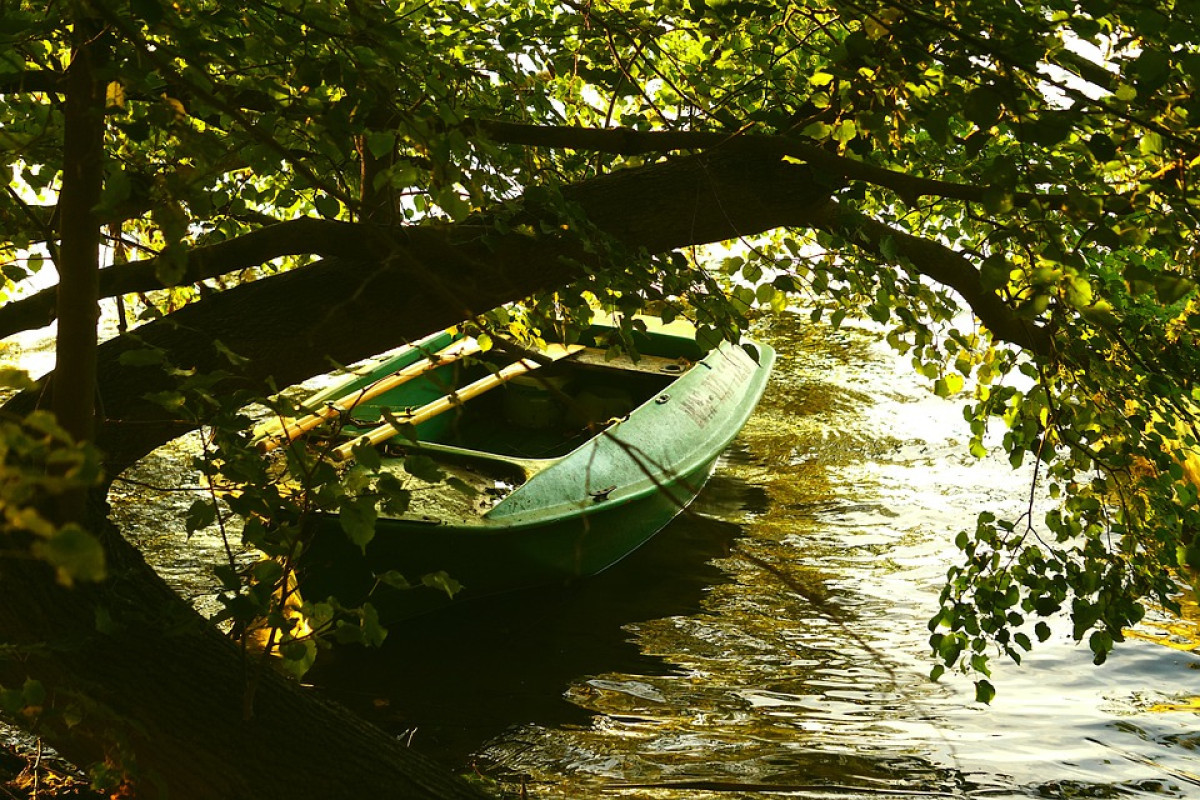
772	641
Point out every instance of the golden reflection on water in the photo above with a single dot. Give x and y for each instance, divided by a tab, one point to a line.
1177	633
1181	633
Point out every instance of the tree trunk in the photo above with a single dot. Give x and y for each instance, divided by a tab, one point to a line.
74	391
160	693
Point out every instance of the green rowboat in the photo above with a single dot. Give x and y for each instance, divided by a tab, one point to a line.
570	460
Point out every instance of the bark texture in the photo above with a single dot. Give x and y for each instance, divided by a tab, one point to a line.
79	255
161	693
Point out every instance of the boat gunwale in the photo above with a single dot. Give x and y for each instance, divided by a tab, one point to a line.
632	492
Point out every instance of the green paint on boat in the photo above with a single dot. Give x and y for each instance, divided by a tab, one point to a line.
575	467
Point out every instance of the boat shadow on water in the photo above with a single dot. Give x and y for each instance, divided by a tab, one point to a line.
456	678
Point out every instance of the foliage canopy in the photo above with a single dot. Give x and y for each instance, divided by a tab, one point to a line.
1029	164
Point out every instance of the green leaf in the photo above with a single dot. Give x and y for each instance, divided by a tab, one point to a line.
15	379
454	205
233	358
142	357
201	514
394	579
1102	147
984	692
1171	288
75	554
441	580
357	517
294	650
1101	644
173	402
12	702
381	143
994	272
983	106
328	207
395	498
816	130
267	572
844	131
373	633
33	692
405	430
367	455
230	580
998	199
1153	68
1150	143
346	633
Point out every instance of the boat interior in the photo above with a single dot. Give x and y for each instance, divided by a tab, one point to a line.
542	414
488	420
495	441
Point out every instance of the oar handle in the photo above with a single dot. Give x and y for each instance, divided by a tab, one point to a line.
291	429
377	436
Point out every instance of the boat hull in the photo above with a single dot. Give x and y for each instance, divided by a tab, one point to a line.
576	515
489	559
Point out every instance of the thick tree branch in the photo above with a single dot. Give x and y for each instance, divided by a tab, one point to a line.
723	195
396	284
296	324
626	141
304	236
33	81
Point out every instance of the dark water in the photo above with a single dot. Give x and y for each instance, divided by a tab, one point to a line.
773	641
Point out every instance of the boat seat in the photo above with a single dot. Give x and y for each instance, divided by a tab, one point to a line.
652	365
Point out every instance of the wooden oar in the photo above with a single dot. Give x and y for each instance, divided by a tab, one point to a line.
275	425
290	429
376	436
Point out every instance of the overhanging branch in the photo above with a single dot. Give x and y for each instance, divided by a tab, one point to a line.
626	141
407	281
942	264
33	81
304	236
